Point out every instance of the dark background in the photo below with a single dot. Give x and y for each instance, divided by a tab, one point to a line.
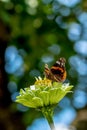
32	33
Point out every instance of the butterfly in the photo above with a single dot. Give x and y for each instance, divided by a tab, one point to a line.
57	72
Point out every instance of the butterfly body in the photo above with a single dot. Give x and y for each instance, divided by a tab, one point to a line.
57	72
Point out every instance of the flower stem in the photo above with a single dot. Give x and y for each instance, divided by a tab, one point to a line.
48	114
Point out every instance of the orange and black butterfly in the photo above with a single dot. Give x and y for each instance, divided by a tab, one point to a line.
57	72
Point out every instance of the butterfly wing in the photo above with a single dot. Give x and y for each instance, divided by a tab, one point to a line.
57	72
47	72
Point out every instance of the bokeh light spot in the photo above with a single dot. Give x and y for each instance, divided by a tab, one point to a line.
37	23
80	98
59	21
55	49
12	86
83	18
55	7
66	116
74	31
39	124
32	3
31	11
69	3
34	73
10	53
14	95
64	103
81	47
80	65
47	58
5	0
13	60
64	11
22	108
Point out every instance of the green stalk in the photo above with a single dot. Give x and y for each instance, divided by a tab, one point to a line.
48	114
